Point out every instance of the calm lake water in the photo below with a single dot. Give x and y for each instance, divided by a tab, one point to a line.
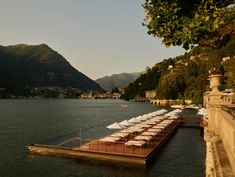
24	122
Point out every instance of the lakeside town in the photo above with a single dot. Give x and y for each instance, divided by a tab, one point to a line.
59	92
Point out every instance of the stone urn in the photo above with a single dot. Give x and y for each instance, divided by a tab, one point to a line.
215	82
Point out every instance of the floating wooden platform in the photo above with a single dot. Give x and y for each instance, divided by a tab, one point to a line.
114	152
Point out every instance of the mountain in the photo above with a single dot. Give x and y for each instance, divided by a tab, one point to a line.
117	80
185	77
39	66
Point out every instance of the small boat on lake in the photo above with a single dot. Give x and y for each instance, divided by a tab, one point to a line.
124	105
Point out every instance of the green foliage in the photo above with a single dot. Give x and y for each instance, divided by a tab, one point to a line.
229	67
146	81
183	22
115	90
171	85
197	97
188	77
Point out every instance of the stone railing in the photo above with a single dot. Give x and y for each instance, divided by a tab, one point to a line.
220	133
230	110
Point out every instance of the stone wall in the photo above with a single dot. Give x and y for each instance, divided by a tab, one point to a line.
164	102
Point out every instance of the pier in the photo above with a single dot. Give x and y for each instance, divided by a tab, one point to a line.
135	145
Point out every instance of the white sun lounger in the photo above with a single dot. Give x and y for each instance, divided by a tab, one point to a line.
110	139
159	126
120	134
151	122
153	133
140	137
136	129
154	130
143	125
127	130
135	143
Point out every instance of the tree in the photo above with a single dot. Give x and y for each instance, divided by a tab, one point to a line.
171	86
115	90
229	66
184	22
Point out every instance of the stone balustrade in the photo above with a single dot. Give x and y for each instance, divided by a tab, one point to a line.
220	132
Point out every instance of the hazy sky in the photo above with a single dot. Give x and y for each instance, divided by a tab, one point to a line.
98	37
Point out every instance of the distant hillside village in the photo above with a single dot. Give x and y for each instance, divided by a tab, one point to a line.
98	95
57	92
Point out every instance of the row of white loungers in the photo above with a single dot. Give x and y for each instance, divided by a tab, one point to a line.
149	125
159	124
149	134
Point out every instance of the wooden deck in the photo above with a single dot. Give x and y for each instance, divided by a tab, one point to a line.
117	151
120	147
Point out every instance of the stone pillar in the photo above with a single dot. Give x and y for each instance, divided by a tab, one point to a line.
214	104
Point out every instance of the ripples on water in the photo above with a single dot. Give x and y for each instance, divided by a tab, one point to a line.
23	122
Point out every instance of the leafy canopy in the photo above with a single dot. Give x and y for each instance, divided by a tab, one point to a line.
184	22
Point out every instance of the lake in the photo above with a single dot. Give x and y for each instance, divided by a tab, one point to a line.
50	121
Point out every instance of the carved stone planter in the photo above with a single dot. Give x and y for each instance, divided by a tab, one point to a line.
214	82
